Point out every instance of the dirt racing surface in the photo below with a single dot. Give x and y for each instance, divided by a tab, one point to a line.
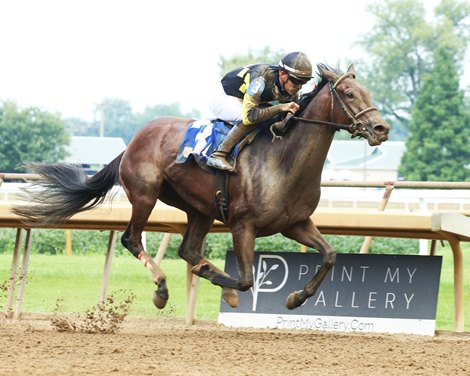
170	347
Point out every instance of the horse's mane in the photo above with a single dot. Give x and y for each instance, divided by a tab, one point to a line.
307	97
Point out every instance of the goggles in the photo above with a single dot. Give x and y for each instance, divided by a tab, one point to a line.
298	81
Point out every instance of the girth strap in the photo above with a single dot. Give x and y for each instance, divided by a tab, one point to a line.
222	177
221	194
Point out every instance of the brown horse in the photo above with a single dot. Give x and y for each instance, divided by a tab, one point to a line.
275	190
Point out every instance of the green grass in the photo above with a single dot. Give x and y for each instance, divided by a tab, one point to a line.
75	283
445	305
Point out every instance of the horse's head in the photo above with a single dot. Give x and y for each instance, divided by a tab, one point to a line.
351	104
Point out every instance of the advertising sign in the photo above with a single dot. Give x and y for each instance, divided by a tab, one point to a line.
361	293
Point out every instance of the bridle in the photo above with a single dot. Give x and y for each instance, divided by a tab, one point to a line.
356	128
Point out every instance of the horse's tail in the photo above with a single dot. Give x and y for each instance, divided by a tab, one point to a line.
65	190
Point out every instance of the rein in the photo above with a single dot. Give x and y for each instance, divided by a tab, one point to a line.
356	127
346	127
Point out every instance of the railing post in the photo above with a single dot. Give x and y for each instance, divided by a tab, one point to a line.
382	205
192	285
423	243
24	271
107	264
68	242
162	248
13	275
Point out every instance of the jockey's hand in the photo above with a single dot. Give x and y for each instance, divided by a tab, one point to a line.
289	107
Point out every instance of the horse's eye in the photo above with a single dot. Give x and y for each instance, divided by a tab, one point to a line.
349	94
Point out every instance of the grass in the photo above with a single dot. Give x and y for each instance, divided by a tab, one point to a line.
445	306
74	284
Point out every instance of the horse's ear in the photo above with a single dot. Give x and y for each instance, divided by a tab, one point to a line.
352	70
326	73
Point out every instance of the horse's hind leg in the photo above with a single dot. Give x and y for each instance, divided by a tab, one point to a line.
142	206
307	233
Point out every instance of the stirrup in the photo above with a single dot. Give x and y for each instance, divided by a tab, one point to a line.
220	163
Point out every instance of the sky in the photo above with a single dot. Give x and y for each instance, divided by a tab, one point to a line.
66	56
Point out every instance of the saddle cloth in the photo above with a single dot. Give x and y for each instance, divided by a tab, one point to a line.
201	138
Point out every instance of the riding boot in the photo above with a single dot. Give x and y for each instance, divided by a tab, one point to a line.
218	158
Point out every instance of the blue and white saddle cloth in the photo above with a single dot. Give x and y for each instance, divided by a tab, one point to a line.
201	138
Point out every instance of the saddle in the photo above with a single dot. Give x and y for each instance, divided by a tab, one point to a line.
204	136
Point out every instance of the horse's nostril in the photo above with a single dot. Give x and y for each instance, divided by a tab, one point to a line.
380	128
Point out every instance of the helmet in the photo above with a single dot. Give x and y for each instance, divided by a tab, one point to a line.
297	65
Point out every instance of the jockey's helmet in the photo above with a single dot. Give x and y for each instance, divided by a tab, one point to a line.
297	65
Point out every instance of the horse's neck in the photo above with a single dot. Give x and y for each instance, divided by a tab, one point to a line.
309	143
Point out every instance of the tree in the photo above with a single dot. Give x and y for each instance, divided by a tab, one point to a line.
172	109
30	135
437	148
115	117
457	13
80	127
400	52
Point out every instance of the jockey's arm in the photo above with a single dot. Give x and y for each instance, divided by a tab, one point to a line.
253	113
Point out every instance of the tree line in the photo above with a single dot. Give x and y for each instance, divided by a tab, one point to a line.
413	68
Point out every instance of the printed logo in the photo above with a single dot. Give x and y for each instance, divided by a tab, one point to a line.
268	265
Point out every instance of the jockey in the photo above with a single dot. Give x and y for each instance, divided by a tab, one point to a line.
249	90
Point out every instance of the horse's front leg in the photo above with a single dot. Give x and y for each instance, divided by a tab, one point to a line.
307	233
191	250
243	243
243	246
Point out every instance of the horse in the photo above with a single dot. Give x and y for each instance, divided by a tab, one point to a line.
276	188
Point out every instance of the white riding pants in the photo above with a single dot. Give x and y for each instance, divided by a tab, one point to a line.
226	107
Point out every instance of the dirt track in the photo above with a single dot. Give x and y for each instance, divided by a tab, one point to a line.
169	347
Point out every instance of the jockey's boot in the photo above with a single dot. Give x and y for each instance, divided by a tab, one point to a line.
218	158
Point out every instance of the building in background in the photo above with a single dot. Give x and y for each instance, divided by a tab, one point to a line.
356	160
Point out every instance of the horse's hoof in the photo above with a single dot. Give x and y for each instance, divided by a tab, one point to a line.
292	301
159	301
230	297
160	296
